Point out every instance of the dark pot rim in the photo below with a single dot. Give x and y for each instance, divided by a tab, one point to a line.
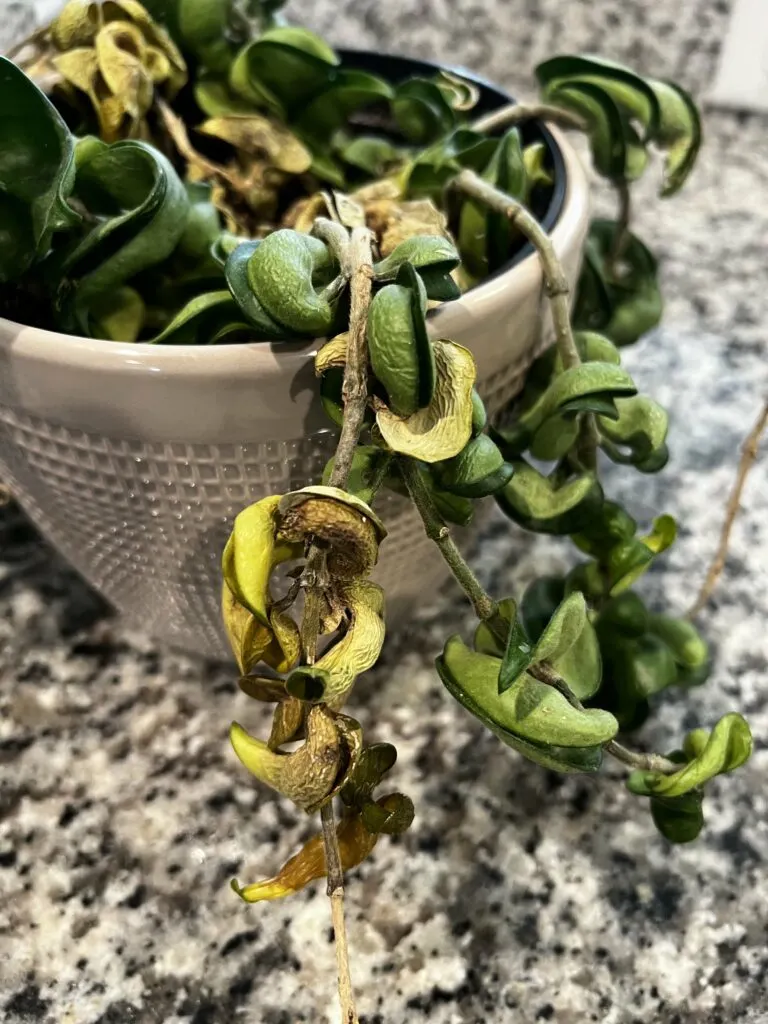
396	67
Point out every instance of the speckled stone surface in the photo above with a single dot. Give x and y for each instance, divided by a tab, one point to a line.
517	895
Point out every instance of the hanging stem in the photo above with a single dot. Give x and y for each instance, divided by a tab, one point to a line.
335	892
518	113
748	456
436	530
356	261
355	387
643	762
555	281
621	237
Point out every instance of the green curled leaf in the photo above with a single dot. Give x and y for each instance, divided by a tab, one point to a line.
283	69
348	91
608	128
144	205
725	749
628	560
400	351
634	95
210	319
679	133
281	273
679	819
421	110
479	414
539	602
434	167
640	431
203	26
622	300
540	504
373	155
236	273
625	614
37	172
118	316
689	649
422	251
645	664
610	525
529	710
477	471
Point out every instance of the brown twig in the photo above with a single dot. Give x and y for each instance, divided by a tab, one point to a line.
518	113
555	281
335	892
355	387
641	762
748	456
357	262
436	530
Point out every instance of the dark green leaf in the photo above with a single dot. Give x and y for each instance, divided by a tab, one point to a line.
517	656
679	133
477	471
534	501
206	320
348	92
236	272
371	154
421	110
539	602
368	465
679	819
36	172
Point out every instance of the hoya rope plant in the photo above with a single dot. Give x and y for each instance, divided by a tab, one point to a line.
330	203
557	674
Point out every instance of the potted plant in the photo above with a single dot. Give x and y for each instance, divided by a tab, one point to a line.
556	673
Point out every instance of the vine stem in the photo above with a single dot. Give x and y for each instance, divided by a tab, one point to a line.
518	113
357	264
555	281
622	226
437	531
748	456
643	762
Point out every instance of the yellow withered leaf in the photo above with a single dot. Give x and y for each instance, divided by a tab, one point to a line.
251	554
248	638
120	52
287	722
76	24
307	776
258	136
80	68
154	34
333	354
441	429
355	844
360	646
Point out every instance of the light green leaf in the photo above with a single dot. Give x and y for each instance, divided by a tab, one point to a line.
348	92
236	273
538	503
679	133
477	471
726	748
281	273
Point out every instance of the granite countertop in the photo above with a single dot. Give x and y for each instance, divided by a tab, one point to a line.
517	895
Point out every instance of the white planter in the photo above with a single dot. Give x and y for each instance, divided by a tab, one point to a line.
133	459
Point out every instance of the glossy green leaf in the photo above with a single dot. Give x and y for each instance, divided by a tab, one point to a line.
687	645
283	69
371	154
208	319
236	273
610	525
479	414
439	286
625	614
421	251
629	304
281	273
606	124
421	110
36	172
215	98
118	315
348	92
538	503
593	347
640	430
628	560
679	819
400	351
679	133
143	208
632	93
434	167
203	28
203	227
477	471
539	602
725	749
533	711
517	655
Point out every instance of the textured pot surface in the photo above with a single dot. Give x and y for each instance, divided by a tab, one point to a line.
133	459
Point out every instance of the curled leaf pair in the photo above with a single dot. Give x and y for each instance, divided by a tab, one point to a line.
498	683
